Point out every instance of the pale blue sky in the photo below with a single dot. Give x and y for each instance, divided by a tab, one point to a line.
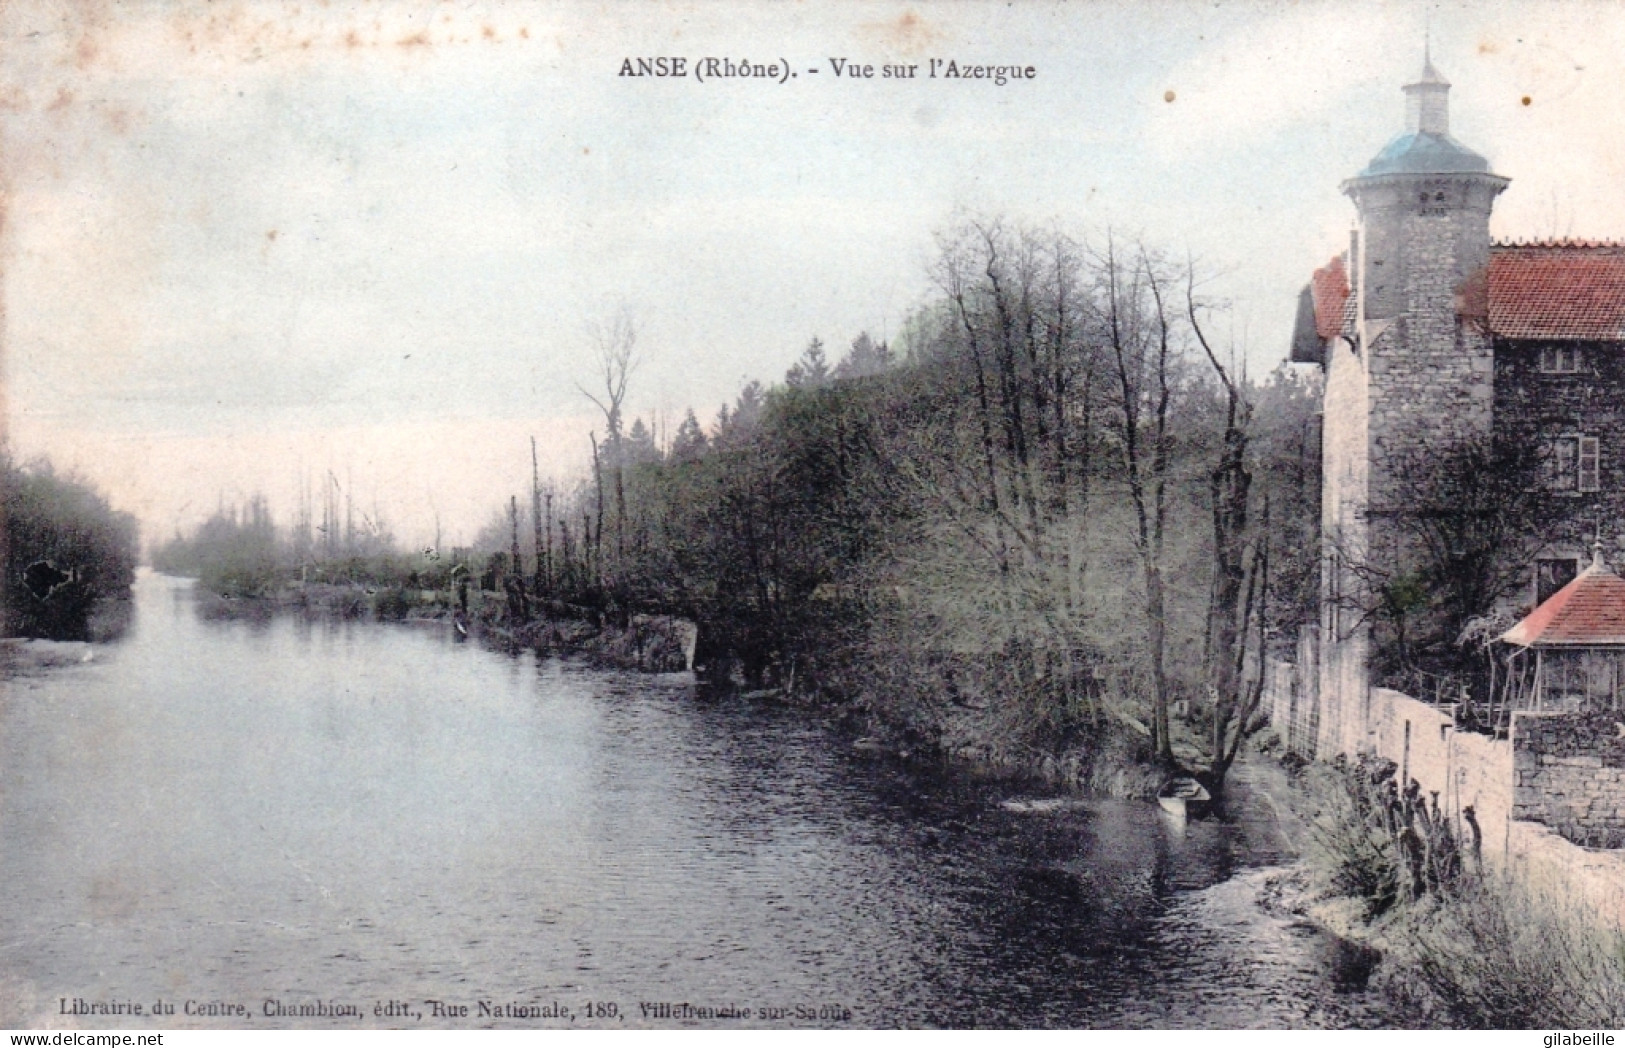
246	238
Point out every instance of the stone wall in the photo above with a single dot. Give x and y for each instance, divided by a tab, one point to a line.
1432	373
1505	783
1280	695
1345	472
1570	775
1464	770
1563	871
1431	368
1291	694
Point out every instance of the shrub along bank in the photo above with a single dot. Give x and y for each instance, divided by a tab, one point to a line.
1463	945
67	553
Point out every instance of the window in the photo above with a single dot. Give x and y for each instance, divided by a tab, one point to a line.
1590	465
1564	681
1560	360
1561	455
1573	463
1552	574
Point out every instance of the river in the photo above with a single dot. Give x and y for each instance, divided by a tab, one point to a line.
308	814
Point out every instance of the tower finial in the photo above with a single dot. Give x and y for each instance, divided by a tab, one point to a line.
1428	106
1430	75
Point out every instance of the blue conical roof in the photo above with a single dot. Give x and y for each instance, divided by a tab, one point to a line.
1423	153
1426	148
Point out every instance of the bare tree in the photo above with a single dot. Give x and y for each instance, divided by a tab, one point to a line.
1006	463
615	357
538	528
514	583
1140	333
1240	589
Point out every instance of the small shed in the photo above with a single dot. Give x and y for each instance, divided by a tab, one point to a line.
1569	653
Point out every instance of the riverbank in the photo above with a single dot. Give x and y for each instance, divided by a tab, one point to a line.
647	643
1301	887
28	657
31	656
954	714
1475	950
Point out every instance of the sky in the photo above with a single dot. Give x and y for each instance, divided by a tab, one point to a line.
245	242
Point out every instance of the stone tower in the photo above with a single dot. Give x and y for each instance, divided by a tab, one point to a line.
1412	374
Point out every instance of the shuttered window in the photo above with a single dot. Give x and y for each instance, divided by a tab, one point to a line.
1573	463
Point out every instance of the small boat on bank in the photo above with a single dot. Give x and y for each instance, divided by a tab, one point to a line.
1045	805
1184	797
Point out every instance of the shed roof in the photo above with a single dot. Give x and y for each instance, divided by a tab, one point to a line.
1557	290
1588	612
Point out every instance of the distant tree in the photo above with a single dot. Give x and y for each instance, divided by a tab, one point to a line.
865	358
640	445
746	413
690	442
811	370
614	350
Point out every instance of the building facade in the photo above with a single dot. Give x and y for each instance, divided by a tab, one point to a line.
1438	344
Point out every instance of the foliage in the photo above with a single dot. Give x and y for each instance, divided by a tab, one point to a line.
87	548
1285	458
242	552
1464	945
231	555
1497	955
1469	521
1375	842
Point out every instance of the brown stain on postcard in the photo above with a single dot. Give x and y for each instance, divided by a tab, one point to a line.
909	34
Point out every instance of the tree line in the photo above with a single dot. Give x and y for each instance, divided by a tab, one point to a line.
66	551
1058	508
240	551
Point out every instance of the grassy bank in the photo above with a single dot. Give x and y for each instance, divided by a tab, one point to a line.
1462	944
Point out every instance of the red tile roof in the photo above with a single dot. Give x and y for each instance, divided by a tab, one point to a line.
1330	287
1588	612
1558	290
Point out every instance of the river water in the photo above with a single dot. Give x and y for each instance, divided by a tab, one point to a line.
319	814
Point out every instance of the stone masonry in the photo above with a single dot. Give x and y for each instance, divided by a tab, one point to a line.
1569	775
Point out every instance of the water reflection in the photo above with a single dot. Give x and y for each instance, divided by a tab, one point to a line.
321	809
